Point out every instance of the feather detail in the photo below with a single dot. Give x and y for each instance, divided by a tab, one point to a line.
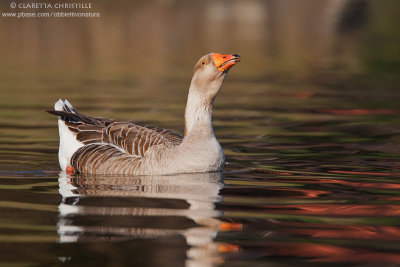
103	139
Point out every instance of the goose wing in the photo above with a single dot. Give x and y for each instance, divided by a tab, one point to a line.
131	138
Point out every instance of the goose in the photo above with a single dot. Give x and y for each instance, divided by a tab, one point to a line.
91	145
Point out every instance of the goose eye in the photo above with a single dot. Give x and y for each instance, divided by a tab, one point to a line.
204	62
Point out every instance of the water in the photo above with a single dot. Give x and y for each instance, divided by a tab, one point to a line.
303	184
311	138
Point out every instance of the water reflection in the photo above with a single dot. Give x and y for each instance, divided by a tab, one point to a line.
117	208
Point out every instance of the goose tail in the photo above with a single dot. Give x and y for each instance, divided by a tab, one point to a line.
68	142
64	106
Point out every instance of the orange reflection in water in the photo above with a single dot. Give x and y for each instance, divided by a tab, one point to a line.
330	253
298	193
380	185
363	232
336	209
367	173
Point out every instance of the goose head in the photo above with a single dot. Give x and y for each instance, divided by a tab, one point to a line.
210	72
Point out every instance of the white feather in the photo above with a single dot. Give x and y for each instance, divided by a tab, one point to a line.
68	143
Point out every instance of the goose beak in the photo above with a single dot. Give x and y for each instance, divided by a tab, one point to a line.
225	62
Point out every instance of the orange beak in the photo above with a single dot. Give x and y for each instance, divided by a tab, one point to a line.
225	62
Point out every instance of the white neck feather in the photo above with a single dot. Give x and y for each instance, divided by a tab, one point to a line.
198	113
199	106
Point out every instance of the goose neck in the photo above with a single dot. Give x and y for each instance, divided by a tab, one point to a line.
198	114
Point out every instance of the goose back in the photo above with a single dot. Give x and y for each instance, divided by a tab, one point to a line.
111	145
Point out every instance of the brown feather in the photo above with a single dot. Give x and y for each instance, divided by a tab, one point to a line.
100	136
89	136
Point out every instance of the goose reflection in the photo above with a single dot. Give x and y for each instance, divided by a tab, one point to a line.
147	207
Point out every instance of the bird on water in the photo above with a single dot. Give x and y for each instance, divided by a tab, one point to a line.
103	146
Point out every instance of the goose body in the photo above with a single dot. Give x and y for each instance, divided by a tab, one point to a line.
104	146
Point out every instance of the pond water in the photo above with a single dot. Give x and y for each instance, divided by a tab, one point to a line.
309	122
312	176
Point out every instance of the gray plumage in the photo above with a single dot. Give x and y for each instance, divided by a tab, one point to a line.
99	145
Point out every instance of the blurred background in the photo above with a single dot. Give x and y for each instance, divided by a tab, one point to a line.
137	50
146	40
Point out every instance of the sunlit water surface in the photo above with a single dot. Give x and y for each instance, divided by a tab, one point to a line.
312	176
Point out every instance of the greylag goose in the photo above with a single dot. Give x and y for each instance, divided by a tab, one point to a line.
104	146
